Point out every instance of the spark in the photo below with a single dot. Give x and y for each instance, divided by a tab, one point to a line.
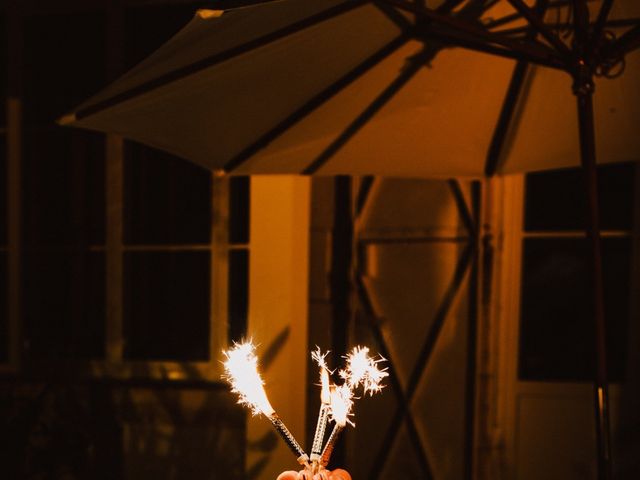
325	391
320	357
341	404
241	371
362	370
323	415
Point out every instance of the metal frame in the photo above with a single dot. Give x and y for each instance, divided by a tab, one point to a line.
589	52
477	37
467	265
581	61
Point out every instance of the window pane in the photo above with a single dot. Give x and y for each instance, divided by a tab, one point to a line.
4	310
557	330
238	301
239	210
64	304
167	199
148	27
556	200
69	52
166	305
64	202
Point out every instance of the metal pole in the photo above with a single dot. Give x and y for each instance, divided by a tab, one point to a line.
583	89
341	281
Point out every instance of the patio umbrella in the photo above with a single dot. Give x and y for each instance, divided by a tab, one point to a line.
353	87
393	87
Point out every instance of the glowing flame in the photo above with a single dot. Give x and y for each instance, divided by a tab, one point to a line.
319	358
363	370
241	371
325	394
341	404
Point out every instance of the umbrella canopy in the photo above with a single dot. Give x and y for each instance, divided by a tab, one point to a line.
356	87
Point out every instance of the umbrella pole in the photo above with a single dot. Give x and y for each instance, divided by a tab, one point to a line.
583	89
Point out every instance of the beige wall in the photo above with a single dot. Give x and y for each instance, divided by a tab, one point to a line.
278	314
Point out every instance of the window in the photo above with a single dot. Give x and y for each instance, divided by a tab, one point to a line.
167	257
556	329
133	262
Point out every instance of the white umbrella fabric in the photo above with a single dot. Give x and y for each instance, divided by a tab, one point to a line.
353	87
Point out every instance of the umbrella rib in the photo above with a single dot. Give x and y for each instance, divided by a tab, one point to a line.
506	116
498	22
470	42
598	28
218	58
630	40
615	23
541	53
536	22
511	99
581	27
392	14
316	102
458	39
369	112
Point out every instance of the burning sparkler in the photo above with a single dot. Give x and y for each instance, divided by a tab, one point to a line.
361	370
341	405
241	371
325	406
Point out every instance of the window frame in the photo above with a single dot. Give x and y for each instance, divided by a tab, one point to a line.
502	390
605	233
113	365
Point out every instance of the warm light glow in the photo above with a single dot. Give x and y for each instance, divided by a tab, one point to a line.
241	371
319	358
341	404
363	370
325	394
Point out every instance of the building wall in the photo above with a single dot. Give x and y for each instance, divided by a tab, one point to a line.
278	315
411	300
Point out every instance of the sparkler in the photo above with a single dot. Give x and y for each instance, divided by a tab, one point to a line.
361	370
325	406
341	404
241	371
